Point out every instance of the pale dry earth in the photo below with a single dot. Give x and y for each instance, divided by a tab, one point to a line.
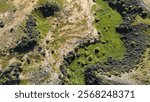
77	19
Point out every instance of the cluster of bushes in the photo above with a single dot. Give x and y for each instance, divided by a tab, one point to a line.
25	44
127	8
28	42
124	28
92	79
10	75
1	24
72	55
48	9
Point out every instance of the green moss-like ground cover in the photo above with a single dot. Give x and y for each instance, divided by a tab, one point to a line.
43	24
113	46
4	6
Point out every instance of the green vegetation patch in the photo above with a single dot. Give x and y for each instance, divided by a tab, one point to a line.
4	6
44	13
106	21
141	20
42	24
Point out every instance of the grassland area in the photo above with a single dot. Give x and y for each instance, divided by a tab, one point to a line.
112	46
43	24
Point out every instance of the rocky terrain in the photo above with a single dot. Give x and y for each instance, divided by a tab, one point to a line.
94	42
